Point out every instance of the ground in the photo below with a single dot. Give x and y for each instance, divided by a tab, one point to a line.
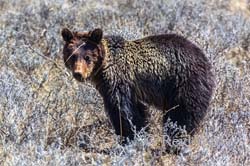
47	118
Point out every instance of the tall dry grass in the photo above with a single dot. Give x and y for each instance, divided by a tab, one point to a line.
47	118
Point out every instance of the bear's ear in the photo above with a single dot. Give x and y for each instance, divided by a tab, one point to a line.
96	35
67	34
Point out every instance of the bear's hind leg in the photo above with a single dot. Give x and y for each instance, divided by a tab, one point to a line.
178	127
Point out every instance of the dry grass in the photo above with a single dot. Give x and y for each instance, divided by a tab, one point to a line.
47	118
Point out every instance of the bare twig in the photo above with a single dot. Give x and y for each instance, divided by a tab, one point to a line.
170	109
45	57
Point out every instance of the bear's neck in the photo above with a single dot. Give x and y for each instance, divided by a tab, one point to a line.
113	45
113	49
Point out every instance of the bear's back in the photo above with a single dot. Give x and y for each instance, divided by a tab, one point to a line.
161	63
170	45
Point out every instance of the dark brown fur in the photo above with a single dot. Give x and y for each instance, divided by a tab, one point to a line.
165	71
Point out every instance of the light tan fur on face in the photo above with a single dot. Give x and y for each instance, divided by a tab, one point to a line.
82	68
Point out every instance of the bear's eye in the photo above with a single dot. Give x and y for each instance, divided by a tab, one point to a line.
87	58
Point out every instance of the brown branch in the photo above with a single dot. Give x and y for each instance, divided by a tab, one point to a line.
43	56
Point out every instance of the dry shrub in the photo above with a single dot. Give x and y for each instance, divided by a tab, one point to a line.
47	118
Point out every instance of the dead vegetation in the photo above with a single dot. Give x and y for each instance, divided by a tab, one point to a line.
47	118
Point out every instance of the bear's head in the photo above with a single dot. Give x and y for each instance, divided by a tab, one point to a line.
82	52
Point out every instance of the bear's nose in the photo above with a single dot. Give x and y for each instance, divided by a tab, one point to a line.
77	76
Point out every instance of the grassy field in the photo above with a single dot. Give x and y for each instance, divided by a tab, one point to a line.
47	118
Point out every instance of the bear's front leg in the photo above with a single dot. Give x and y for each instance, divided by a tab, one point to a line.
126	113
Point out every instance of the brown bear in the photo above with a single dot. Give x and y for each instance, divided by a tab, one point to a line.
166	71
